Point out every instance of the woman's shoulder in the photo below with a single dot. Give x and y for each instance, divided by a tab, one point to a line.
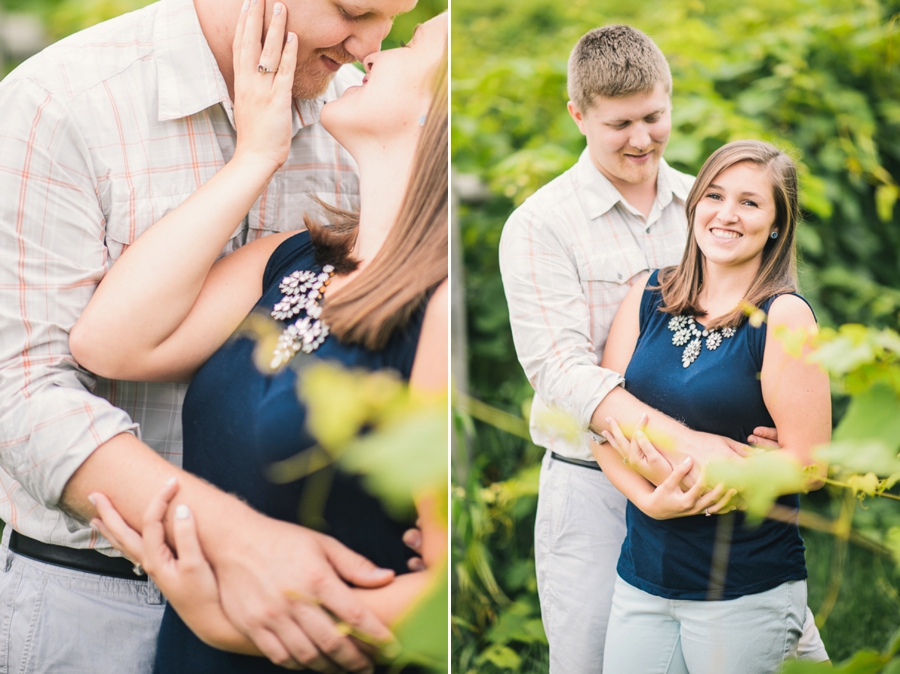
293	248
790	309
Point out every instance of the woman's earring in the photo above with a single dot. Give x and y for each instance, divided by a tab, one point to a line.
422	120
774	234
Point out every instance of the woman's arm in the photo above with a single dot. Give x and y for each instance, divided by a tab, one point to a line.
429	372
187	580
156	315
667	500
796	392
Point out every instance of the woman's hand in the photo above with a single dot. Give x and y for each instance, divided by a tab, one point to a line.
639	453
667	500
187	580
263	82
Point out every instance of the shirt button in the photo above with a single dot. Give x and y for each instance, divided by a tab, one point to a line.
619	275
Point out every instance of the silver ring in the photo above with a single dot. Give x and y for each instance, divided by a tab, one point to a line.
137	569
265	70
706	510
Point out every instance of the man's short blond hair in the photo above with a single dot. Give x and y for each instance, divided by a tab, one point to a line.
615	61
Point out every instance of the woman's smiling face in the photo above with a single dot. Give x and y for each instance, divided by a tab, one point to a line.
735	216
397	89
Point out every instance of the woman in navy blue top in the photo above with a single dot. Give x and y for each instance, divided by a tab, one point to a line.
368	292
700	590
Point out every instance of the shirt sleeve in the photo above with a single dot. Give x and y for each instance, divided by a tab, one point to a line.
550	317
53	256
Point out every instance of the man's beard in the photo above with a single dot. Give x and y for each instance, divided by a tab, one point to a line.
311	78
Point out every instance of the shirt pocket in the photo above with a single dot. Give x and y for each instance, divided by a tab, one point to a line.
601	269
129	216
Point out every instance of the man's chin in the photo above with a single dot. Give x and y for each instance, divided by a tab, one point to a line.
639	173
310	85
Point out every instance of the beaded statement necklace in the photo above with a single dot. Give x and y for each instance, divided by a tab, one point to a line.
301	296
687	332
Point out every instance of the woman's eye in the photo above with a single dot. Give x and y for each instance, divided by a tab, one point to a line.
751	203
713	195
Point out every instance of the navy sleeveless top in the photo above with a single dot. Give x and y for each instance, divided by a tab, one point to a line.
700	557
238	421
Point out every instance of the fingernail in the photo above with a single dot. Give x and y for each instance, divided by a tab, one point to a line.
290	37
416	564
245	6
278	8
92	499
609	420
182	512
171	481
253	2
687	460
382	573
639	434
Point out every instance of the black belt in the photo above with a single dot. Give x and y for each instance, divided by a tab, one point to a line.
593	465
74	558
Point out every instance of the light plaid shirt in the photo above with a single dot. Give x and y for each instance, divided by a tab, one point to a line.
102	134
568	256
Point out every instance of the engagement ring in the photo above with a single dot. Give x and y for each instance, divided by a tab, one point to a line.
265	70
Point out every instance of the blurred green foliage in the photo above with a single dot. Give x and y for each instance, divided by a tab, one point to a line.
818	78
401	455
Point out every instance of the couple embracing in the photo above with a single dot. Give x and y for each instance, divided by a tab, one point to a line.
134	154
626	282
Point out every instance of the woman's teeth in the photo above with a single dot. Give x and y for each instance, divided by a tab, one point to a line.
725	234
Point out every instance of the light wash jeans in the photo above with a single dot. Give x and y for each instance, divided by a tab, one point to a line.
753	634
578	534
61	621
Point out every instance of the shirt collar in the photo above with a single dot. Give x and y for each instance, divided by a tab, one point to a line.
189	79
600	196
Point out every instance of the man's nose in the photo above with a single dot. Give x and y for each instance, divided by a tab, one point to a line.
640	138
367	36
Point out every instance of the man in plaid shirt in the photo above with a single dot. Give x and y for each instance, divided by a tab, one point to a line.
103	134
568	256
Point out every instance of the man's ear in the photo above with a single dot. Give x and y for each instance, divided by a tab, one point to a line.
576	115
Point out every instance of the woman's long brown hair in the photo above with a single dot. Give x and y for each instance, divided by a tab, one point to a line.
413	259
777	272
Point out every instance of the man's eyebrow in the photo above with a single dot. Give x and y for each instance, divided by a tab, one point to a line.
631	119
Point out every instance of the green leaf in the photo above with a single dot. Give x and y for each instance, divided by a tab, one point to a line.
873	415
885	198
806	667
861	456
403	458
422	632
892	543
862	662
759	479
867	484
501	656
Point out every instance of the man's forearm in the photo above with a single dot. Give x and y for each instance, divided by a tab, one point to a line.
130	473
675	440
667	435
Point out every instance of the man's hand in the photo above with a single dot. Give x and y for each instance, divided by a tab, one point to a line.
283	586
764	437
